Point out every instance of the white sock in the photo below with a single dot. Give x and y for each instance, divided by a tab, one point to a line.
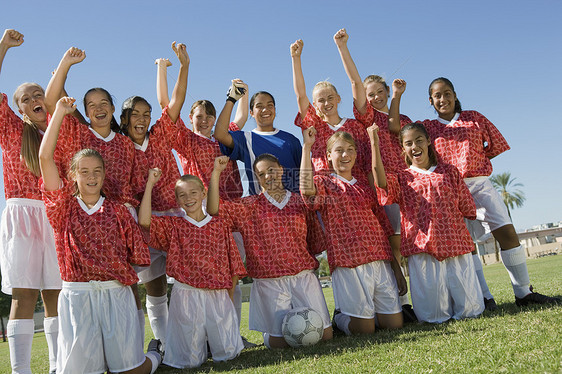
156	360
266	340
515	262
342	321
140	315
480	275
238	303
20	337
51	327
404	299
157	310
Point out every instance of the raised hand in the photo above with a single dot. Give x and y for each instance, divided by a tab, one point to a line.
296	48
66	105
237	89
153	176
398	86
73	56
181	51
11	38
341	37
220	163
309	136
163	62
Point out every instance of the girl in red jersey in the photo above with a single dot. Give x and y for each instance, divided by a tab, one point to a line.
322	114
433	200
97	242
468	140
206	265
27	252
153	148
364	270
274	228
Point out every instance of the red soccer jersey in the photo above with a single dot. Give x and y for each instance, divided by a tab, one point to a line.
389	144
97	244
432	205
197	157
355	235
156	152
117	151
19	182
468	142
324	131
200	254
275	234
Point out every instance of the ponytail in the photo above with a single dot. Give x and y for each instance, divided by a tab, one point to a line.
30	142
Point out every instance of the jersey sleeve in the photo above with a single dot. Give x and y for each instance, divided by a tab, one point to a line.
165	130
137	249
227	212
57	203
315	235
240	149
311	118
238	211
391	194
495	143
7	120
233	127
316	201
465	200
366	118
161	229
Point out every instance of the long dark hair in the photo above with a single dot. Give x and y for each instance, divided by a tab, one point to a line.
114	124
416	126
458	107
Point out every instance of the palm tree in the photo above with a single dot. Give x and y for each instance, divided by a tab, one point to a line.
512	198
506	186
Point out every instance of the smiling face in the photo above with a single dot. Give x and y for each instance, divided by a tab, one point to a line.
202	121
270	175
443	97
263	111
342	155
89	176
138	122
29	98
189	196
377	95
326	100
416	148
99	109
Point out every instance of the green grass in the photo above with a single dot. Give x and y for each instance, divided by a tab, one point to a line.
510	340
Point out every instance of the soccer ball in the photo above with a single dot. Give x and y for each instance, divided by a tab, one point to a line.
302	326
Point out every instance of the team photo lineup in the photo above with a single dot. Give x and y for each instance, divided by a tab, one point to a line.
96	204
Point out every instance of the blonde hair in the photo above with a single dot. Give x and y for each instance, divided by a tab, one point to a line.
376	79
319	86
86	152
339	135
30	137
189	178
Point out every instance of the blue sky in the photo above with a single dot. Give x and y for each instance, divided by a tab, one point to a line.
504	58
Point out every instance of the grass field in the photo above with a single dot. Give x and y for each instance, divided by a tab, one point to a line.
510	340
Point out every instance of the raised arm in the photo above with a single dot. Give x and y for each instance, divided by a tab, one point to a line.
241	115
298	77
10	38
306	181
379	175
162	81
213	194
145	209
56	84
357	88
180	89
49	170
398	88
221	128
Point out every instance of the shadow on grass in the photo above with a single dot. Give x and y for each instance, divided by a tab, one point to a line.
263	357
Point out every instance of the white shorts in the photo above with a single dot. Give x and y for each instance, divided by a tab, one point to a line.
157	266
98	328
491	212
393	213
28	258
197	316
272	298
444	290
366	290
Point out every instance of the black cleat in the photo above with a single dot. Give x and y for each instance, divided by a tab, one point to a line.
536	298
248	344
335	328
490	304
155	345
408	314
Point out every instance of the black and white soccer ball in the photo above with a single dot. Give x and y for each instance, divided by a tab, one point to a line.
302	326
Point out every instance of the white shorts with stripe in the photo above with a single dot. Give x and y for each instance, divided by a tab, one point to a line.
442	290
197	316
28	258
272	298
366	290
491	212
98	328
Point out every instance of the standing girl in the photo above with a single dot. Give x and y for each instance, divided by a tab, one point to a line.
97	242
27	252
274	228
154	149
364	270
204	261
433	200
